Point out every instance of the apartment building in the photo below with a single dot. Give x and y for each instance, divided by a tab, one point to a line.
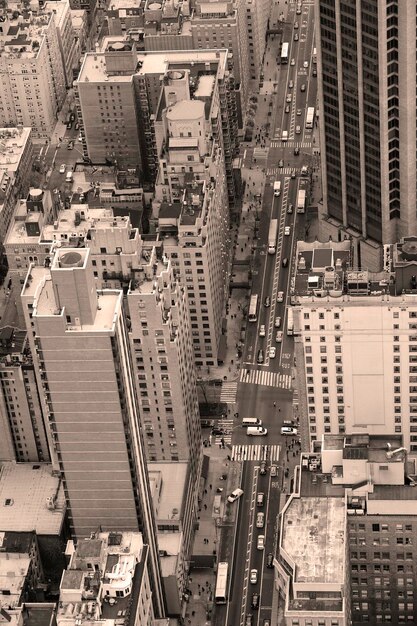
32	75
68	41
80	344
346	546
257	16
107	582
23	433
356	350
16	156
367	95
120	96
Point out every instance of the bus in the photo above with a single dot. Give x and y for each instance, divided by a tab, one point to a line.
314	56
253	308
284	52
290	322
221	583
272	237
301	201
310	117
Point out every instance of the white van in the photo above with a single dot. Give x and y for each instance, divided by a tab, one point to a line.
284	136
253	431
69	177
251	421
277	188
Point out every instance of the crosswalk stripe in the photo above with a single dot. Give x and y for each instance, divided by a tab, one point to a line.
257	452
228	392
266	378
292	143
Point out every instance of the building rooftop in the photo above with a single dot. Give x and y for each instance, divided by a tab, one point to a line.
23	34
31	498
314	538
174	482
12	144
13	571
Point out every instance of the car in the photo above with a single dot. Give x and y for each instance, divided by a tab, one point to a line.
296	25
267	301
255	601
217	431
287	108
266	622
62	168
274	471
298	130
288	430
249	619
277	322
260	519
260	499
262	472
296	37
314	73
289	97
287	230
290	209
302	87
305	64
253	576
270	560
293	174
262	331
272	352
284	262
80	138
291	84
69	125
299	112
298	11
260	544
281	163
70	145
292	62
260	357
296	151
235	495
77	126
280	296
279	336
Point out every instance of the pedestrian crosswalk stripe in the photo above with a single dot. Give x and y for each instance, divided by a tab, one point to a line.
265	378
292	143
285	171
245	452
228	392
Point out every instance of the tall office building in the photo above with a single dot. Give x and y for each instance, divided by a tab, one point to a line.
82	359
346	539
367	94
356	341
32	77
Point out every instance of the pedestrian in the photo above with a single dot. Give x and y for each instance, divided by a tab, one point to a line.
211	486
275	404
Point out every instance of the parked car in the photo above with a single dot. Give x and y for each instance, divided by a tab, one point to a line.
235	495
260	499
279	336
253	576
249	619
267	302
280	296
287	108
260	544
287	230
260	519
277	322
262	330
289	97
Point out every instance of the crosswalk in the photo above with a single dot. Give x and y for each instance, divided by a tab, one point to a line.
275	171
290	144
259	452
228	392
226	425
268	379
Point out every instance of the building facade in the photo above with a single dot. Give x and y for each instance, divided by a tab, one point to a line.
367	94
68	41
32	76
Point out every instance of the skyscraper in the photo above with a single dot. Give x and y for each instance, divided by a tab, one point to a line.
80	339
367	107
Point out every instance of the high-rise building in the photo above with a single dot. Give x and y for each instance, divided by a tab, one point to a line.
16	158
68	42
367	95
356	344
346	548
121	97
79	340
32	77
257	16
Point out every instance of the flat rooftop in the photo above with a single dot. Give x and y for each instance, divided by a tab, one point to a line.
313	535
24	489
174	476
12	144
13	572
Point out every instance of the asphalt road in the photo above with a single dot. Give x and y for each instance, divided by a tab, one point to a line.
269	277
